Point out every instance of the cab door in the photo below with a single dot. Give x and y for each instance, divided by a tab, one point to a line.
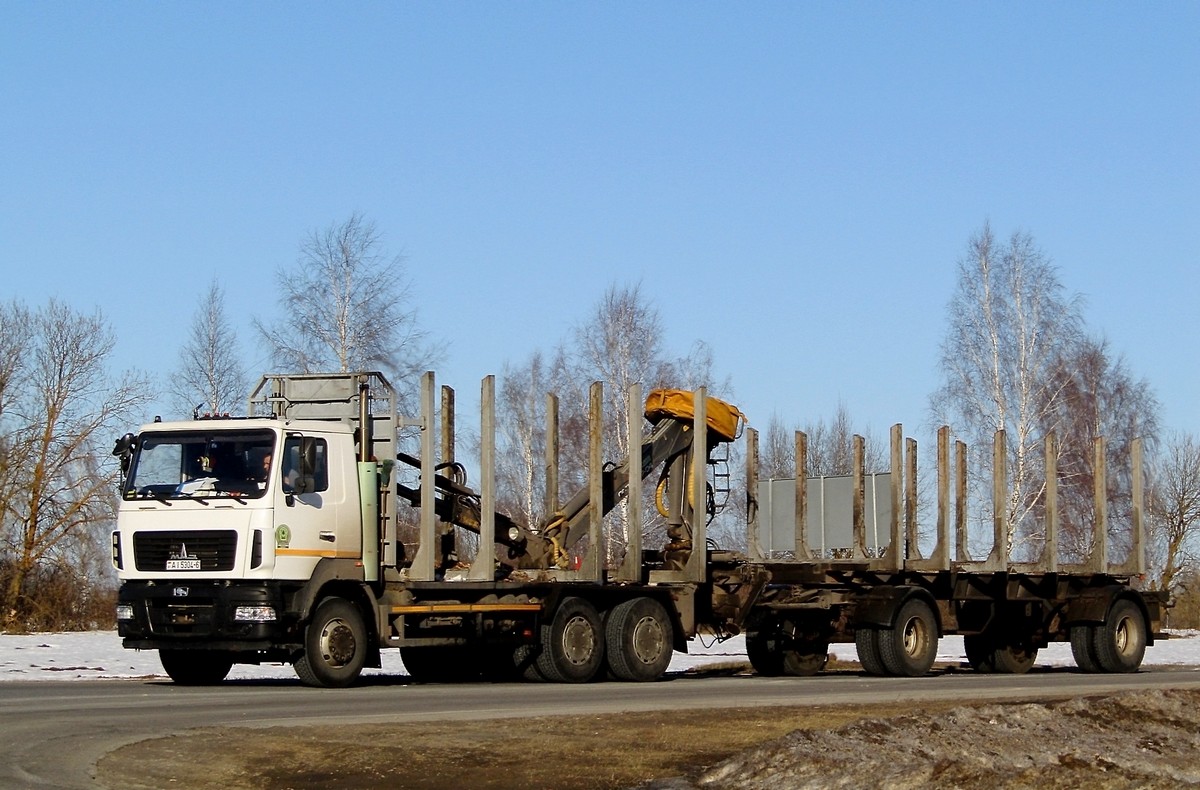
313	502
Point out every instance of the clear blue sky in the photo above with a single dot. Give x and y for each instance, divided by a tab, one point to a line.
792	183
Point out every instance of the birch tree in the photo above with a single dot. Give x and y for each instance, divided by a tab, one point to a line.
210	376
346	305
1009	321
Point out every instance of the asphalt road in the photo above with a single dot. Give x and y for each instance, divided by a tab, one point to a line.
53	733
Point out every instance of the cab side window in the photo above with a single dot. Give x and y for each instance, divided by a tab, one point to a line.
291	468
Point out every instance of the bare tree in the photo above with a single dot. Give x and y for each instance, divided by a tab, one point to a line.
619	343
57	492
777	450
830	447
346	306
1174	507
210	376
15	326
522	424
1099	397
1001	359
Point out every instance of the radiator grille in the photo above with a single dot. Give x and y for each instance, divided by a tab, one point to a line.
214	548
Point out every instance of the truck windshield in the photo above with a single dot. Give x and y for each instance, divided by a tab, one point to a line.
201	464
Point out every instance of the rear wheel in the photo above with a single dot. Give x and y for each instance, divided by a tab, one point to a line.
572	643
1120	641
780	646
639	640
980	654
196	667
807	659
1083	648
986	653
1014	659
335	645
765	643
909	647
866	640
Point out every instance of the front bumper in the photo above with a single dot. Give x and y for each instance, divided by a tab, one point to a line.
201	614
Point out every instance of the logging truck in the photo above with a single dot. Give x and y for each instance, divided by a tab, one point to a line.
305	533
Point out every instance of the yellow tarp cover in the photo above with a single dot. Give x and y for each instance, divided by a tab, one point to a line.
678	404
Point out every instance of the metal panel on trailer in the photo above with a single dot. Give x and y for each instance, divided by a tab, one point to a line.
830	513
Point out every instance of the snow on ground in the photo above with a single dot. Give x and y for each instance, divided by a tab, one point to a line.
98	654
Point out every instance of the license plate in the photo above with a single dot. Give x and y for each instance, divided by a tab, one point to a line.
183	565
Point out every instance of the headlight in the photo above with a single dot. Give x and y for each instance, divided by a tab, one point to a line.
124	611
254	614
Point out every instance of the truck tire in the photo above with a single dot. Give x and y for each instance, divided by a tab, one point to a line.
778	646
196	667
335	645
639	640
909	647
866	640
980	653
524	660
986	654
572	643
764	644
807	659
1083	648
1120	641
440	664
1014	659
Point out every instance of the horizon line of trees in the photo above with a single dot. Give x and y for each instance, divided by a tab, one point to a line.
1017	355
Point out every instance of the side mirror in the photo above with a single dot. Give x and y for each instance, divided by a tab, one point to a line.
123	449
306	481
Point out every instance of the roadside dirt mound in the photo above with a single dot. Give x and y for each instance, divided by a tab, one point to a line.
1139	740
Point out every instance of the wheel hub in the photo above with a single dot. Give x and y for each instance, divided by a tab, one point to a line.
337	643
648	639
578	641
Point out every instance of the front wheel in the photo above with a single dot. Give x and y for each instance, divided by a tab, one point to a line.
196	667
335	646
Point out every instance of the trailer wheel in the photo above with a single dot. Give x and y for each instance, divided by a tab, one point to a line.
866	640
572	643
1014	659
1083	648
765	643
639	640
986	654
909	647
196	667
335	646
980	654
808	659
1120	641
